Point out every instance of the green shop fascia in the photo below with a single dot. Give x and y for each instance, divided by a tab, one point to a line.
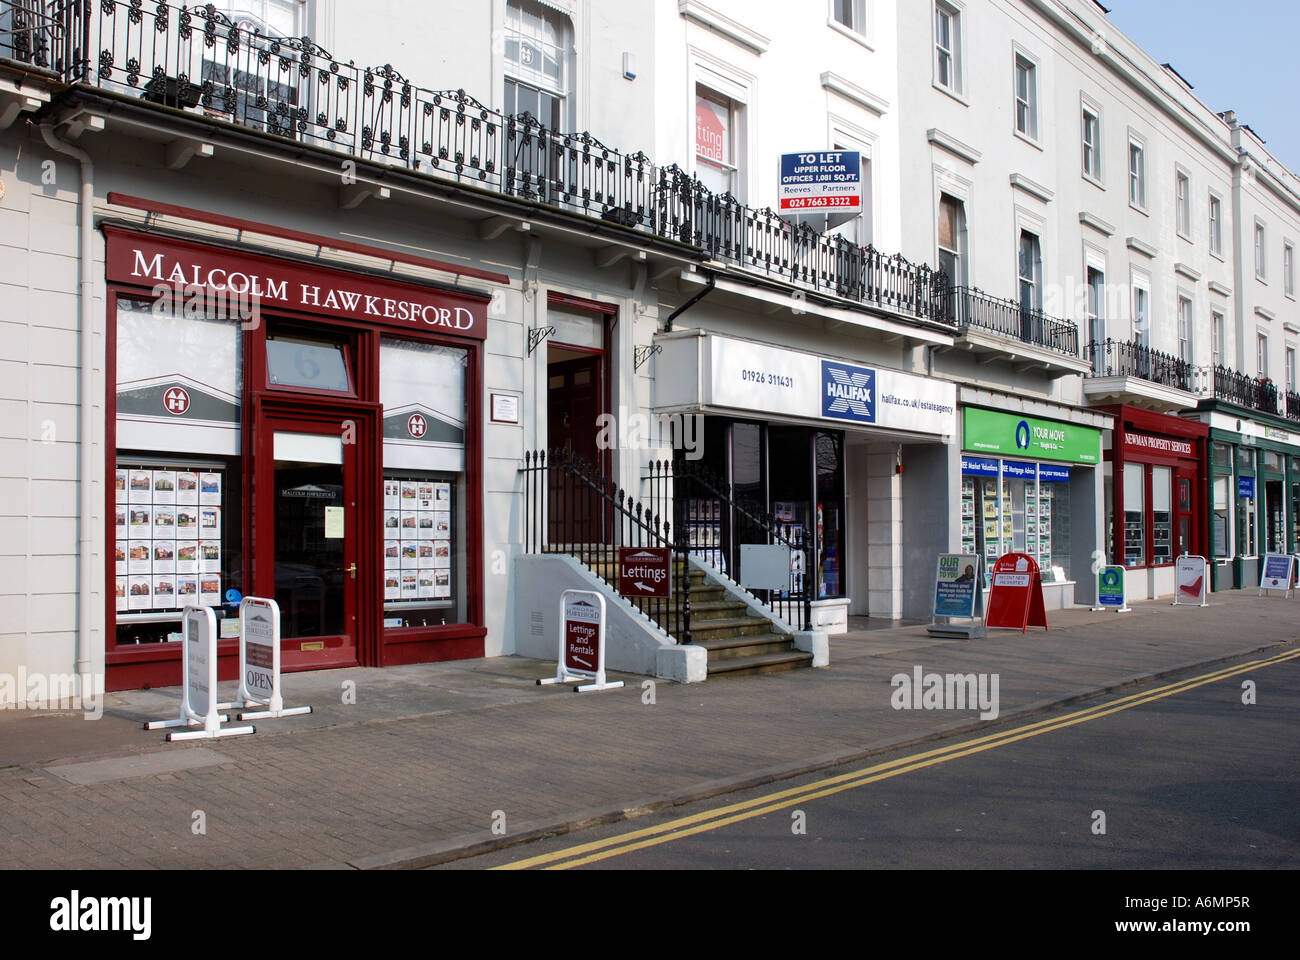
1254	493
1021	477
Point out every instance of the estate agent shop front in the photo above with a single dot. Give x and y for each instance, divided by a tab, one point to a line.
322	449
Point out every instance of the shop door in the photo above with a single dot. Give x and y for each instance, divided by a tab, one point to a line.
306	492
1186	480
574	405
1275	514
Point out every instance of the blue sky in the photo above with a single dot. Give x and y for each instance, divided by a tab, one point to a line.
1241	55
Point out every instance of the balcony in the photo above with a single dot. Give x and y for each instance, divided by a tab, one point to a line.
997	329
198	61
1131	372
1257	394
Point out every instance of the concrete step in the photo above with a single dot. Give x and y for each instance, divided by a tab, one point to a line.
732	648
716	609
724	628
763	663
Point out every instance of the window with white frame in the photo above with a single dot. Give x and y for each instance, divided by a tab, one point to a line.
1026	97
1261	251
1290	369
1261	355
1288	269
952	239
1091	143
859	229
1030	268
1216	225
537	43
1183	201
947	46
851	14
1141	311
1185	329
717	141
1216	338
1097	316
1137	174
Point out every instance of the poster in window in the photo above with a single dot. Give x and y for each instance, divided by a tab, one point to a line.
187	523
187	488
120	512
426	522
119	486
410	556
164	487
210	489
392	495
392	554
140	488
164	522
442	496
424	500
209	590
426	554
120	591
209	521
392	525
164	593
164	557
408	494
392	585
442	554
442	526
410	585
425	590
139	557
187	589
119	557
139	520
140	593
209	556
442	583
187	556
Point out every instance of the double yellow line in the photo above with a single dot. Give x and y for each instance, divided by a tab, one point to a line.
585	853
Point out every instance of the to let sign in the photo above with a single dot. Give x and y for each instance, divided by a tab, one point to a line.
644	572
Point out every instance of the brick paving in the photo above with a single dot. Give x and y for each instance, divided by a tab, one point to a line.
441	747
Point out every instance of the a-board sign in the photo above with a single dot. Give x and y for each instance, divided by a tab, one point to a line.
645	572
954	585
1191	581
259	660
199	689
1110	589
1277	573
1016	594
582	641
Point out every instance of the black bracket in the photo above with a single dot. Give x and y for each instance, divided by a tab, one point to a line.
644	353
536	335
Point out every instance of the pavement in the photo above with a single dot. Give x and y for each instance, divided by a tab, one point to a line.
433	762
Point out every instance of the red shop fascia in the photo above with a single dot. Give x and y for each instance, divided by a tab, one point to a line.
363	313
1160	440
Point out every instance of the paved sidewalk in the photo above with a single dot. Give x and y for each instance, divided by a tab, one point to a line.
418	768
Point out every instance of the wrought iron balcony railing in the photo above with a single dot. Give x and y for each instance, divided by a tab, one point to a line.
196	58
974	308
1253	393
1292	405
1120	358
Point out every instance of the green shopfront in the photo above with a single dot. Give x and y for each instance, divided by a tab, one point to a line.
1254	494
1030	484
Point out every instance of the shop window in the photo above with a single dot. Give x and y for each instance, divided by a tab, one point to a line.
293	361
1135	534
1162	548
177	481
1247	519
422	388
1222	516
828	450
1055	506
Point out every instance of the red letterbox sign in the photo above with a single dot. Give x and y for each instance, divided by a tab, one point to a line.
1016	596
644	572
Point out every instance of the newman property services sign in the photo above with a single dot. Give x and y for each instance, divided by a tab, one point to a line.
753	377
1016	436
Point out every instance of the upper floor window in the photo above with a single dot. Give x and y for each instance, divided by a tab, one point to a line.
952	240
537	44
1183	200
1216	339
1137	174
1030	264
1184	330
1026	97
1216	224
1261	354
1141	315
1288	269
717	135
1261	251
1091	144
851	14
947	46
1290	369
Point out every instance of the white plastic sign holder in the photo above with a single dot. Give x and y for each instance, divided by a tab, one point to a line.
582	642
1188	571
259	662
1277	573
199	692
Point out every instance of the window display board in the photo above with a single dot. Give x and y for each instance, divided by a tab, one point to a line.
417	542
168	548
704	531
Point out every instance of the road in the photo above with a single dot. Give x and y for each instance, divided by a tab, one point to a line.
1175	775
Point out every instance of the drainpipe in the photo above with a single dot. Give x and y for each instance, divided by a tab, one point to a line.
81	661
668	324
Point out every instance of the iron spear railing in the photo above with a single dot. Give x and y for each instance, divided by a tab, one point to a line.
1120	358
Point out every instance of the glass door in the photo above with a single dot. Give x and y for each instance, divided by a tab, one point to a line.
306	496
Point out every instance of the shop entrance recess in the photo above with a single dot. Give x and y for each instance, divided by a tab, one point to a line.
1185	500
312	492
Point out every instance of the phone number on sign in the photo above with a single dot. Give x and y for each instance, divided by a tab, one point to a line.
803	203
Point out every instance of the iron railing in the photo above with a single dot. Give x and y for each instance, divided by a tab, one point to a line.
715	522
32	33
1132	358
974	308
1252	393
1292	405
198	59
571	508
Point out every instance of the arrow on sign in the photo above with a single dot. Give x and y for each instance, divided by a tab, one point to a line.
641	586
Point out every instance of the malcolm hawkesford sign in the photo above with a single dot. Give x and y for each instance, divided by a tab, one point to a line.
144	260
751	376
